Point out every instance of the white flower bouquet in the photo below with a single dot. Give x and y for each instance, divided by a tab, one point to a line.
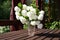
29	14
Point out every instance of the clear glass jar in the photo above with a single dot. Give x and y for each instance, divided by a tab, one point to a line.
31	30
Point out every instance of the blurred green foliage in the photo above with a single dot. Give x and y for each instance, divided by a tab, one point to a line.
53	25
25	27
54	14
5	6
4	29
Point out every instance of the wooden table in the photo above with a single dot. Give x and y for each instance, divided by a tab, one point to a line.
41	34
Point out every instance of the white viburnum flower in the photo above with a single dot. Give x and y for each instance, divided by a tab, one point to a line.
41	12
31	15
17	17
40	17
40	26
22	19
35	17
29	8
24	6
28	14
24	12
33	23
37	22
17	13
17	9
33	10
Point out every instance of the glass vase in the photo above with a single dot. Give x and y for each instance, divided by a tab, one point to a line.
31	30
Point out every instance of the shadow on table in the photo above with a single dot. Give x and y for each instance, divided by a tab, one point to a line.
48	35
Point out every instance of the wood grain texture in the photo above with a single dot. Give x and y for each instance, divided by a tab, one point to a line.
41	34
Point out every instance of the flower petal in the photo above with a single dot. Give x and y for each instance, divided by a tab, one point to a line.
40	26
17	9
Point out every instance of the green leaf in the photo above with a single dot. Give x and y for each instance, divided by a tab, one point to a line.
20	5
37	11
25	26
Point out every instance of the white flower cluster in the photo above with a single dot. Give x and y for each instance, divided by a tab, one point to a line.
30	12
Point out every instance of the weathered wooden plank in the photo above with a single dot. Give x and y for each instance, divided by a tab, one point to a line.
41	34
10	34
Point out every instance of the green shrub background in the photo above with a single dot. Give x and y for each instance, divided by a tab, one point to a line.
5	6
